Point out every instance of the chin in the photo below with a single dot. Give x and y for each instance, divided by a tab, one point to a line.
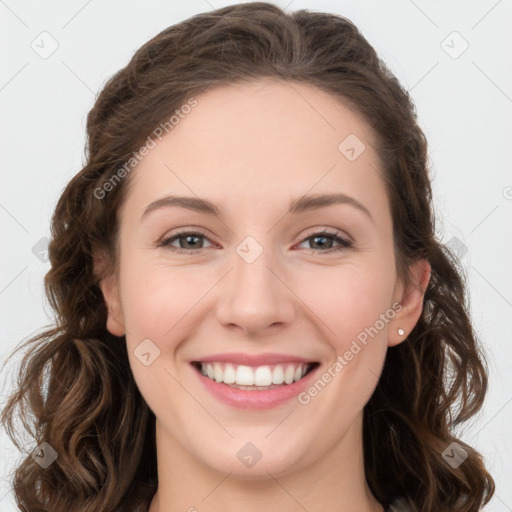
253	460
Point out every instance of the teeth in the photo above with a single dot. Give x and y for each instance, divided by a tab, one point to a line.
244	376
288	374
229	374
217	372
278	375
261	376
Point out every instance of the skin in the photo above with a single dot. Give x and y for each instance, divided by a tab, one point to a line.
251	149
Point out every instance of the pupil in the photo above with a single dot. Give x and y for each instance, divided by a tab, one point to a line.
189	238
320	238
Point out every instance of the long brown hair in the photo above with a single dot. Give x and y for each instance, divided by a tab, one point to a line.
75	389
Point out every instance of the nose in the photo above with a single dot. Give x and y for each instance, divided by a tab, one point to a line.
255	296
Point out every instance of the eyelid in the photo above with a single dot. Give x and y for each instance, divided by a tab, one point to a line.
330	231
344	241
188	230
167	239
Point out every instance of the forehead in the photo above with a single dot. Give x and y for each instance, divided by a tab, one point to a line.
261	140
273	115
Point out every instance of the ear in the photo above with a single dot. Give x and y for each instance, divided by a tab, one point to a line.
110	290
411	301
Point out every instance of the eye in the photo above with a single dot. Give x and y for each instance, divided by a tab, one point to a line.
322	238
189	245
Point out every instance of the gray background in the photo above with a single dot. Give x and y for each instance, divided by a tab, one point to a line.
464	102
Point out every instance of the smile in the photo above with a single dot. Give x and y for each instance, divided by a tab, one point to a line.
255	386
255	378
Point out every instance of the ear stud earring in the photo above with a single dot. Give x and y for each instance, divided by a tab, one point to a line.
401	332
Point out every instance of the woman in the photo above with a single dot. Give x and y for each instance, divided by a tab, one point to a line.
253	312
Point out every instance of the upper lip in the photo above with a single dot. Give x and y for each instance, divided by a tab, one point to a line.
252	359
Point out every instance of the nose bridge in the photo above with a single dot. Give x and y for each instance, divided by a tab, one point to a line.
252	275
254	297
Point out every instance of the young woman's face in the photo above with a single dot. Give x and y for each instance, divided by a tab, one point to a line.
252	288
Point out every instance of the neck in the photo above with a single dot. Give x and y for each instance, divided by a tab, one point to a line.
335	482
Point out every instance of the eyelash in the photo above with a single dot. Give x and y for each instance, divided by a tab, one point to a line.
344	243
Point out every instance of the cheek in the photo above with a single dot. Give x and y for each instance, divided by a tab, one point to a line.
355	311
154	300
155	305
154	294
143	307
352	302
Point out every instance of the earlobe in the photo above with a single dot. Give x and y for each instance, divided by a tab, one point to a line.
115	319
110	290
411	302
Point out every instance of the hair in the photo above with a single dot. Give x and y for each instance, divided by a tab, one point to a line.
75	389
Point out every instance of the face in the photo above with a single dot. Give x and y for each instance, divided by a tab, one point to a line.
259	286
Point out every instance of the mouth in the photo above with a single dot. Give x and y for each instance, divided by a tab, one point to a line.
251	378
256	387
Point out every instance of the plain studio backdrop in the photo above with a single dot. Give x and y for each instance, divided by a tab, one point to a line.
453	57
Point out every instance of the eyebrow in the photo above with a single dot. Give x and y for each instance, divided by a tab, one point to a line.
298	205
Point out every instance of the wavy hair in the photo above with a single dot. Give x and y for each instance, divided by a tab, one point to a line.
75	390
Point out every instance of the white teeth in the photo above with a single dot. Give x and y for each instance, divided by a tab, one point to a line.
261	376
288	374
244	376
298	374
217	372
278	375
229	374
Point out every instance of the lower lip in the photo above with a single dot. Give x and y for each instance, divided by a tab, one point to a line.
264	399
